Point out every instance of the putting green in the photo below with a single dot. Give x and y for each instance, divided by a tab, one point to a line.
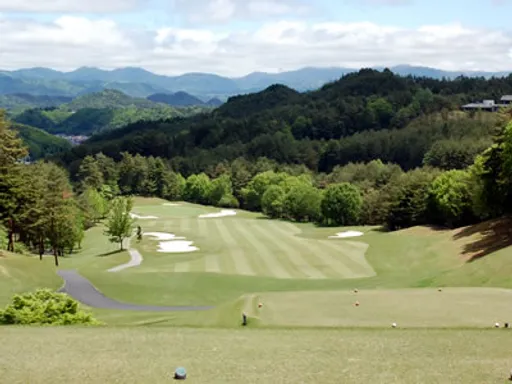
449	308
249	246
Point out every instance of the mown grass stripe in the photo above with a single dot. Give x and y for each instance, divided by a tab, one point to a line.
261	230
333	267
355	260
218	248
294	253
209	260
182	267
236	254
202	227
354	255
184	226
259	268
273	266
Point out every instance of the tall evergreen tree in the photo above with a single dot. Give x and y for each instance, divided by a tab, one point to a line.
90	174
11	152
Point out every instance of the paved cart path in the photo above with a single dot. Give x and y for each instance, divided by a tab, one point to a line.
82	290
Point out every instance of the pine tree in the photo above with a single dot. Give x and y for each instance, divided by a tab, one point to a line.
90	173
11	151
59	210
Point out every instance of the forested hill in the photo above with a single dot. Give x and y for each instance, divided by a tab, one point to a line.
40	143
363	116
101	111
109	98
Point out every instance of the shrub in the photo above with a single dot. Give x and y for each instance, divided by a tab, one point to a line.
45	307
228	201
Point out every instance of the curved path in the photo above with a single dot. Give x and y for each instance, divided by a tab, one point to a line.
82	290
135	259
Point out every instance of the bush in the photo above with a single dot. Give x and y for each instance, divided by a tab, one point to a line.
45	307
228	201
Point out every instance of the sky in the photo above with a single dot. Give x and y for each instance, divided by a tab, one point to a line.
237	37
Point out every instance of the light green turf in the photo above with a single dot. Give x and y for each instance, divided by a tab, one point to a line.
248	246
143	355
414	258
451	307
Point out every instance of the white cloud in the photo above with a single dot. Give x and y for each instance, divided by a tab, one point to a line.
218	11
91	6
70	42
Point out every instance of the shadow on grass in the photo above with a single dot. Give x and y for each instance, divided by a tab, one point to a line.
492	236
111	253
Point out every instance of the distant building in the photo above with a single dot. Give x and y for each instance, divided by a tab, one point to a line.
507	99
489	105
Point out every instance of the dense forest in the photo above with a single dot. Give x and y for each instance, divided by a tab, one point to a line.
39	143
363	116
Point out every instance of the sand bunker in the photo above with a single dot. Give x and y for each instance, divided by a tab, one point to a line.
163	236
135	216
172	243
172	204
177	246
342	235
223	213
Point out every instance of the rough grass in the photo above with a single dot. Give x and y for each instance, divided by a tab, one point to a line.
150	355
21	273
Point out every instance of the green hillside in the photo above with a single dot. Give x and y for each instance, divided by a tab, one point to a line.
99	112
361	117
108	98
19	102
40	143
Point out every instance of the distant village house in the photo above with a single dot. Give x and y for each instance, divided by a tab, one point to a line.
489	105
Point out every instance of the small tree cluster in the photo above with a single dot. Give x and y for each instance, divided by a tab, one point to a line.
37	205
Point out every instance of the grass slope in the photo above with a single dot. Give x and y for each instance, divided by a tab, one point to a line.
150	355
19	273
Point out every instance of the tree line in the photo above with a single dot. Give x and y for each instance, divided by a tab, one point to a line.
366	193
42	208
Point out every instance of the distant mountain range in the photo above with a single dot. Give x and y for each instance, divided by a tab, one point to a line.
138	82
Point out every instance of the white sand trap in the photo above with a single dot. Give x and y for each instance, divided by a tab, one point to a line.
223	213
343	235
135	216
172	204
177	246
163	236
